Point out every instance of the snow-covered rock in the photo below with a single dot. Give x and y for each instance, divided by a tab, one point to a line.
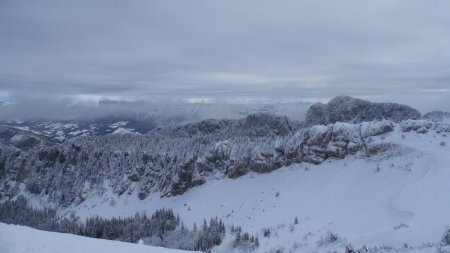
353	110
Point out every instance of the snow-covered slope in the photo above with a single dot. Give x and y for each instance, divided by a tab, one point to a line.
19	239
390	199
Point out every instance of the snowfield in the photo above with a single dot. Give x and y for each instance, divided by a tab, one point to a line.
398	200
20	239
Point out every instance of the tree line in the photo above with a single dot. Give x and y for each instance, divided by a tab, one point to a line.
162	228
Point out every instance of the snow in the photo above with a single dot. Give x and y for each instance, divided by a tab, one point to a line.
121	130
390	199
318	130
19	239
79	132
24	128
118	124
18	138
375	128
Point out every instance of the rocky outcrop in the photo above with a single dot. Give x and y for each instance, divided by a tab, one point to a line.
353	110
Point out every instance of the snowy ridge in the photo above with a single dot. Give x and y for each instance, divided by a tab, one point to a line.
171	161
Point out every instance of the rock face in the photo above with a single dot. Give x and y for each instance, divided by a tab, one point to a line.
353	110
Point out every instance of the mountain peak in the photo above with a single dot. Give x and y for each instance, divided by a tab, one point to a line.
354	110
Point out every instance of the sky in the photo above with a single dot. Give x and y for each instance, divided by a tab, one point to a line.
225	51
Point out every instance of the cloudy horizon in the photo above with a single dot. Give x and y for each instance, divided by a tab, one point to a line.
225	51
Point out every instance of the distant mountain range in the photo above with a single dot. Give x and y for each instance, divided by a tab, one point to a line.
61	130
139	121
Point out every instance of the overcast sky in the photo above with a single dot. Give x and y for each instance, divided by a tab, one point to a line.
226	50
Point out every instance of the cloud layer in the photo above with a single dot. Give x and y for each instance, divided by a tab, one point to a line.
226	50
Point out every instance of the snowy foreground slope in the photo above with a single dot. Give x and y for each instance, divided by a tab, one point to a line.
397	200
19	239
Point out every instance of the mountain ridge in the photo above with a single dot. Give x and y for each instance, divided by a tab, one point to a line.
354	110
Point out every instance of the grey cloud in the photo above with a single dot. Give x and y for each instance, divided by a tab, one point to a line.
396	50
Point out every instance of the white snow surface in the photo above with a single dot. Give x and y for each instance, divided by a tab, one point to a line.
392	199
121	130
20	239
